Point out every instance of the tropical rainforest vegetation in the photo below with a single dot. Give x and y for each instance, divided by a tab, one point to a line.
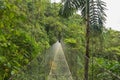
29	27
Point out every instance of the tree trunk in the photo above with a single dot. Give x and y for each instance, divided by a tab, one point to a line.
86	67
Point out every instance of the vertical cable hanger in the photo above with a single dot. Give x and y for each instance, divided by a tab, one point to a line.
92	52
45	46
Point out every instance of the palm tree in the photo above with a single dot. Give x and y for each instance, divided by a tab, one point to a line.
93	12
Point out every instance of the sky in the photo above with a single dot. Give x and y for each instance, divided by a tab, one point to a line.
113	14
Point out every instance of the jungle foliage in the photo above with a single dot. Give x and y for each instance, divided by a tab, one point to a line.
29	27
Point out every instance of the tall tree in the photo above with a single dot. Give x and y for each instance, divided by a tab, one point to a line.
94	15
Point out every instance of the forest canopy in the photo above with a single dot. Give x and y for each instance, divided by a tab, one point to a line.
29	27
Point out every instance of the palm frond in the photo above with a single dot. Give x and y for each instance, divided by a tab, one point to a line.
70	6
96	11
97	15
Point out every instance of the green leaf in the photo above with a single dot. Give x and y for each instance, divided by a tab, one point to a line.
3	59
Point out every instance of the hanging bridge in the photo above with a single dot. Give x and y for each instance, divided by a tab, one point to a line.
54	66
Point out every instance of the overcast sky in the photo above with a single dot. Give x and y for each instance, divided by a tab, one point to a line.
113	14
